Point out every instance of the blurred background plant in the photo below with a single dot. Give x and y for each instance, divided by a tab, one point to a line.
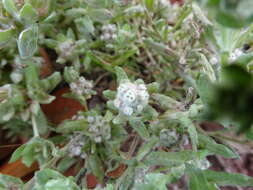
114	93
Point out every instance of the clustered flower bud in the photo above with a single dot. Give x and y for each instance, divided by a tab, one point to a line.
109	32
168	137
99	128
131	98
140	175
235	54
65	50
82	87
75	149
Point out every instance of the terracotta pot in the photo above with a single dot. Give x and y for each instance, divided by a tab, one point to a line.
17	169
61	108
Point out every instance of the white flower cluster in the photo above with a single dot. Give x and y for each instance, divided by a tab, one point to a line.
235	54
131	98
82	87
99	128
75	149
168	137
109	32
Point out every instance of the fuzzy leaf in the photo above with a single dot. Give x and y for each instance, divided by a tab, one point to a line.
27	41
96	167
10	7
28	14
17	154
187	123
121	75
6	35
228	179
169	158
216	148
140	127
198	180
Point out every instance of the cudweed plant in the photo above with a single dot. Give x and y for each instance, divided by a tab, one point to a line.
147	74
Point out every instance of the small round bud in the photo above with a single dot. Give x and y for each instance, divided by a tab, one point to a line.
128	110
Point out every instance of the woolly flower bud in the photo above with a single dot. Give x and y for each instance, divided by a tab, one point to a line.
82	87
214	60
131	98
75	150
235	54
168	137
109	33
99	128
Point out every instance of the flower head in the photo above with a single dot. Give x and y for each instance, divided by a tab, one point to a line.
131	98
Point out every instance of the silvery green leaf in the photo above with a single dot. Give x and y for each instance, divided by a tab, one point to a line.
166	102
85	27
189	125
109	94
27	41
6	35
205	89
153	87
178	171
207	67
228	179
216	148
17	153
61	184
65	163
152	181
149	4
100	15
120	119
28	14
96	166
10	7
149	113
41	122
127	179
72	126
140	127
7	182
170	158
49	83
198	181
7	111
147	148
70	74
121	75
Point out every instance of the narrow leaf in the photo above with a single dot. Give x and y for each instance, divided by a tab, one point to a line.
231	179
